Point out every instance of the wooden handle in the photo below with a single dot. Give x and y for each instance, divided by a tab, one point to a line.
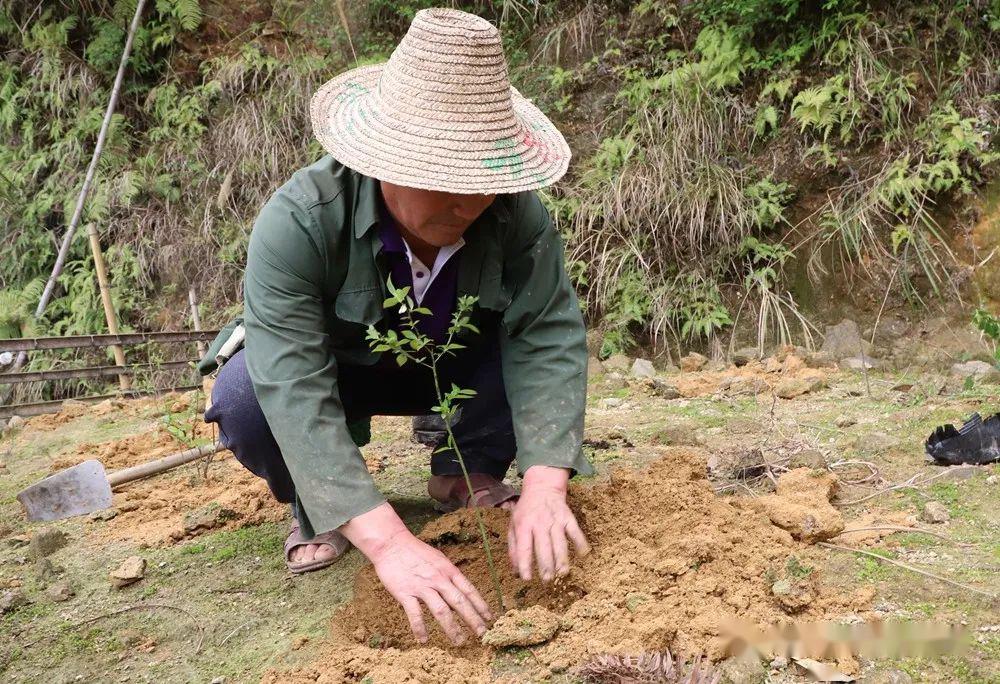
161	464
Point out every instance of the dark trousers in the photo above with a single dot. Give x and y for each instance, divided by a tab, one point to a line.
483	429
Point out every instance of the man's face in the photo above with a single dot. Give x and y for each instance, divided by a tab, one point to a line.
437	218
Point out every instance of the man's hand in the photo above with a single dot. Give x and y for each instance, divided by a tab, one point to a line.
542	523
415	572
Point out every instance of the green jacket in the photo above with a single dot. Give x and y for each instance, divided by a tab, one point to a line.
314	282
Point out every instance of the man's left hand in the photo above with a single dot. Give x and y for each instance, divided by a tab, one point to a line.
542	525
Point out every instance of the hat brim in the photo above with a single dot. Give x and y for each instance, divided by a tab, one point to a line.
474	158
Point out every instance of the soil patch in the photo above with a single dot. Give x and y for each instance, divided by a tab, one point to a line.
671	562
788	377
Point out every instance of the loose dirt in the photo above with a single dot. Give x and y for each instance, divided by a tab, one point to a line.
775	374
671	561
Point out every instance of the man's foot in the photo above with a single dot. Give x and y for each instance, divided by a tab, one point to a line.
451	492
319	552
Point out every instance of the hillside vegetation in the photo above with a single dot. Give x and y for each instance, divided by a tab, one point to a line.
739	164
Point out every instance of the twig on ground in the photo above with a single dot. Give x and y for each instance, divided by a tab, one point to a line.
905	566
902	528
909	484
235	630
874	475
126	609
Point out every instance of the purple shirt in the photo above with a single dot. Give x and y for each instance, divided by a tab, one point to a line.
440	296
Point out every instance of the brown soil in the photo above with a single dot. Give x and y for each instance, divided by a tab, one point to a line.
671	561
756	377
178	504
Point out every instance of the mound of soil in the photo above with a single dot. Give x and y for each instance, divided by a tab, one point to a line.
671	561
788	377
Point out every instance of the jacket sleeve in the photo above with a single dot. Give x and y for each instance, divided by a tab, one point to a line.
293	372
543	344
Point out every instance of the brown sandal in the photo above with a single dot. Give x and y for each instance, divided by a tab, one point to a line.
487	492
295	539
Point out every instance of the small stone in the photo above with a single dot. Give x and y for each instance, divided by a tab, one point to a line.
793	596
845	421
128	506
789	388
594	367
129	572
611	402
745	355
11	600
522	627
977	370
60	591
843	340
46	541
745	669
664	389
809	458
299	641
693	362
820	359
992	480
859	363
45	570
618	362
15	423
779	663
219	680
643	368
935	512
105	515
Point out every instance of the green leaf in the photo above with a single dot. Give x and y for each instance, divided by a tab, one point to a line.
400	359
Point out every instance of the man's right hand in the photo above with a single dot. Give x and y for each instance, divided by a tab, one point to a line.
414	572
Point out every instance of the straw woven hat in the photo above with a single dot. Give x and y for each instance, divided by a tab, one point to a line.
440	114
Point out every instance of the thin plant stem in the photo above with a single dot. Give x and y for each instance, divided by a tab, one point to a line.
468	483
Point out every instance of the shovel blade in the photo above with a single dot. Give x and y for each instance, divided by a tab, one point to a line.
78	490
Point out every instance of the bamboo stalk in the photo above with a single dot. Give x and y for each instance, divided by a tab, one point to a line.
89	179
196	319
124	381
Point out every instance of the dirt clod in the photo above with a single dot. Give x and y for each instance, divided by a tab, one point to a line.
129	572
60	591
802	506
526	627
693	362
935	512
46	541
11	600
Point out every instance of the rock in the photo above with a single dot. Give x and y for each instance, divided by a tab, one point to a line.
614	381
643	368
60	591
522	627
14	423
992	480
129	572
745	355
105	515
46	541
664	389
11	600
594	367
103	408
809	458
860	363
693	362
745	669
219	680
889	677
779	663
845	421
618	362
843	340
979	371
129	506
819	359
793	596
789	388
611	402
960	472
46	571
935	512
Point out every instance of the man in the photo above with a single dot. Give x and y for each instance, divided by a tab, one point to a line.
433	157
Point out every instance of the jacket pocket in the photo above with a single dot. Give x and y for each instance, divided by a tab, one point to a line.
352	313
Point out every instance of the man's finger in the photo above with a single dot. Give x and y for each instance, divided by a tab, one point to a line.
579	540
523	552
512	545
416	617
471	593
560	550
463	606
543	554
442	613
